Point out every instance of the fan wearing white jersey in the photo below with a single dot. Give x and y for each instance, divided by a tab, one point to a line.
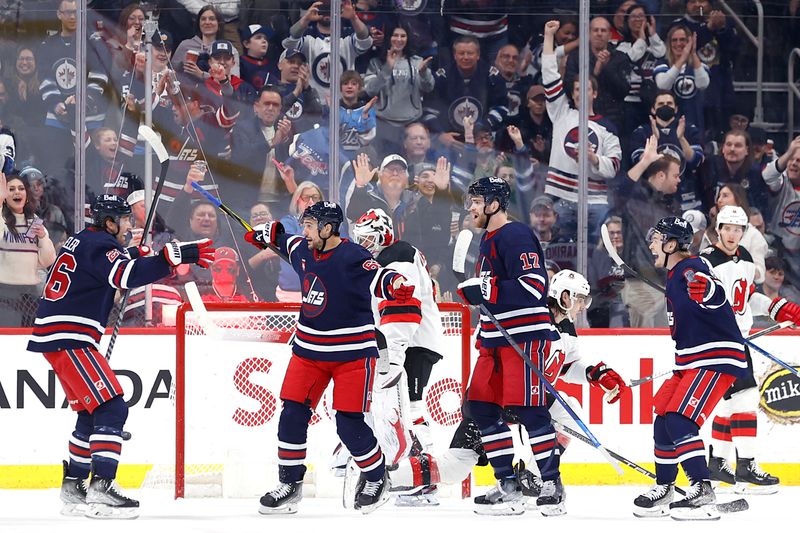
414	342
735	424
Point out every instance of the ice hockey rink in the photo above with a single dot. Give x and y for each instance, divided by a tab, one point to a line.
589	508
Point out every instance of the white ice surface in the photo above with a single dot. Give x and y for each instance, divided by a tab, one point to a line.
590	510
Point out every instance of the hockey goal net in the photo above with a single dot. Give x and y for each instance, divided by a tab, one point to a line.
227	386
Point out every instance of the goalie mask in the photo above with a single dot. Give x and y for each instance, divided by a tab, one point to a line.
374	231
574	284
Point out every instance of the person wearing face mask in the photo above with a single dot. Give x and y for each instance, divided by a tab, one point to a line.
676	137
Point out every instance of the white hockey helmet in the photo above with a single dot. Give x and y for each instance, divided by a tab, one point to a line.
374	231
572	282
732	214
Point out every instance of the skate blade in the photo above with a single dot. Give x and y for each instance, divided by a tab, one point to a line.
102	511
530	504
756	490
74	509
660	511
720	487
367	509
289	508
705	512
415	501
553	510
501	509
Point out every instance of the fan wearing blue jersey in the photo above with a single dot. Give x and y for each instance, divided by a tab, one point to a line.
511	282
709	356
335	340
72	316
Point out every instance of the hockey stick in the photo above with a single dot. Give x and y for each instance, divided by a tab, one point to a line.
163	157
459	257
772	358
728	507
612	253
765	331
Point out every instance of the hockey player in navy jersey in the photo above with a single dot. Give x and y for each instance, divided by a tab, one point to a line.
736	423
709	357
335	340
414	340
511	282
72	316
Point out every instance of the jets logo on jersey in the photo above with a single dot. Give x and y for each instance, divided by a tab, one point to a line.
321	69
295	111
709	53
571	142
685	86
66	74
466	106
790	218
315	296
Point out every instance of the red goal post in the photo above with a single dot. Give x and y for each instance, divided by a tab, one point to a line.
227	383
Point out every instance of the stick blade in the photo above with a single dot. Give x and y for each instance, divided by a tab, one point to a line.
609	246
460	250
154	141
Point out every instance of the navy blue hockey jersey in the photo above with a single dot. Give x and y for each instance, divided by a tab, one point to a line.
336	321
79	292
514	256
705	335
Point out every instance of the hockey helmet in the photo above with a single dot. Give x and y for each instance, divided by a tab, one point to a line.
374	231
491	188
572	282
325	213
109	206
732	214
673	228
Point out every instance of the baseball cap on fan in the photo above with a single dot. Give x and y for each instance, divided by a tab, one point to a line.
221	47
393	158
293	52
225	253
248	32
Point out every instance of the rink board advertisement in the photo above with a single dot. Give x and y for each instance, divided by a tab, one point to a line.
232	408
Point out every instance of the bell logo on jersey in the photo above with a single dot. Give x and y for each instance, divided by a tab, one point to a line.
314	296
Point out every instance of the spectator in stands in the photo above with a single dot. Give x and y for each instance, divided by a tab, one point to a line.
717	46
644	48
124	40
224	278
543	218
462	90
607	281
231	94
208	28
42	200
684	74
604	153
536	126
763	148
255	66
484	20
735	165
25	100
566	40
611	69
398	78
357	120
390	193
300	102
515	86
307	194
677	138
782	176
265	264
26	248
316	48
619	22
104	164
417	144
775	283
752	240
257	142
650	188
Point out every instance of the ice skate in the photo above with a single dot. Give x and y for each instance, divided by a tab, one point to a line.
751	479
73	494
531	485
655	502
105	501
722	473
372	494
698	504
504	499
421	497
551	498
283	499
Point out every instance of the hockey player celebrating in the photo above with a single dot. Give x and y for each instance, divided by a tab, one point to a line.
414	342
735	424
709	357
72	316
511	283
335	339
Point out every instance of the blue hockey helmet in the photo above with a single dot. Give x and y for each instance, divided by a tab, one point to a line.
325	213
674	228
491	188
109	206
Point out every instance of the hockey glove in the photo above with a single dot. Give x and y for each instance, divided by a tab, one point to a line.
399	291
183	253
700	287
782	309
607	379
265	235
139	251
476	291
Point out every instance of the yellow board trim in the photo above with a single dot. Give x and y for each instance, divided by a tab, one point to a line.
131	476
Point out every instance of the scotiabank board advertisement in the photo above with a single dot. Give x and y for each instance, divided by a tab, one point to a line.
232	406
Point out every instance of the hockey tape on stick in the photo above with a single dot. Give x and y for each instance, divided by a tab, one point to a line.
152	138
727	507
612	253
460	250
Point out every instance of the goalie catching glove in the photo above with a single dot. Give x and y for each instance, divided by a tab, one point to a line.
265	235
476	291
183	253
607	379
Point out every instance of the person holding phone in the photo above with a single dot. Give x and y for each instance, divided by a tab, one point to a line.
22	233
